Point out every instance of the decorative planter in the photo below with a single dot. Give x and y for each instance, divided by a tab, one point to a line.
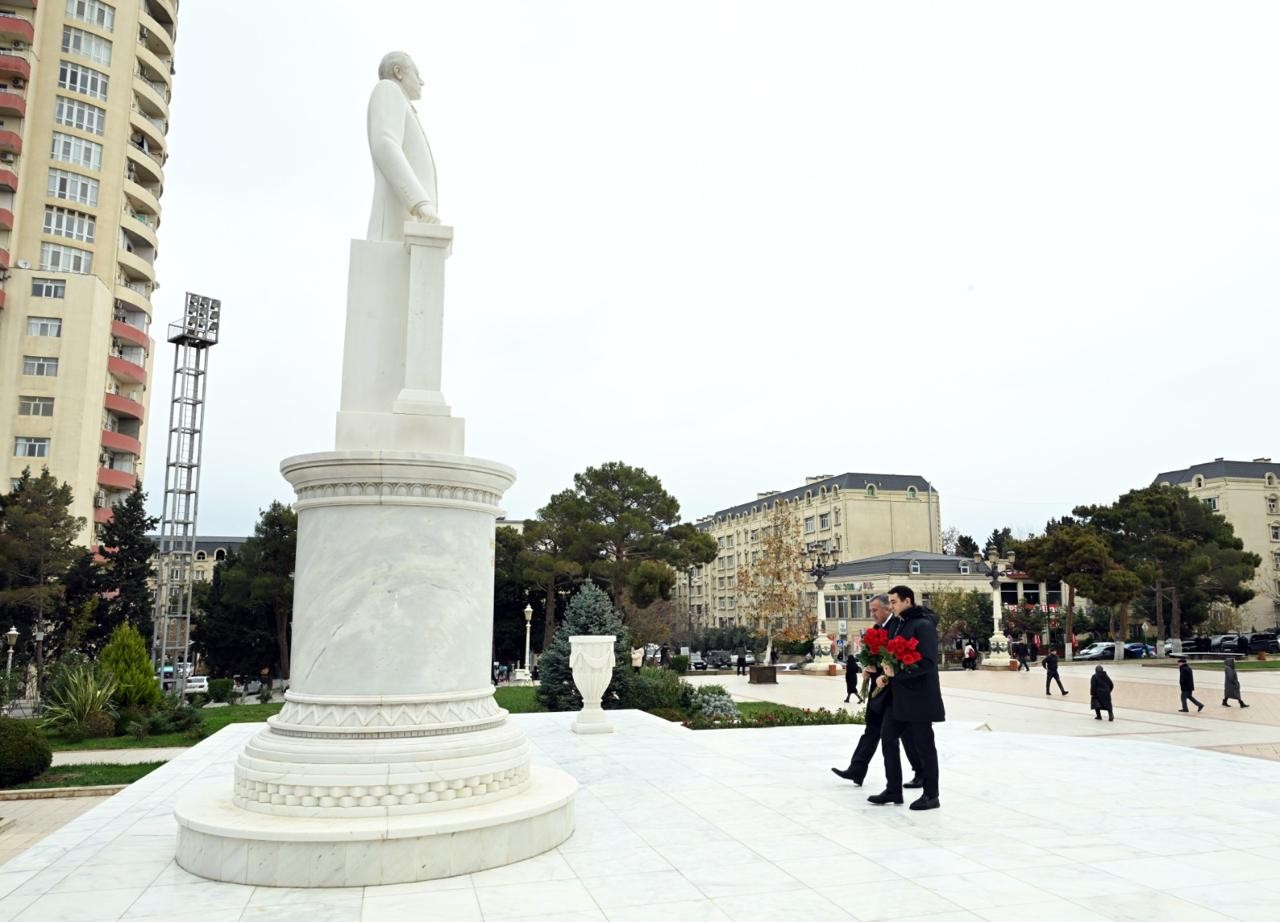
763	675
591	658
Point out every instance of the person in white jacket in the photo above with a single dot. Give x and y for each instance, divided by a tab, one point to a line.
404	172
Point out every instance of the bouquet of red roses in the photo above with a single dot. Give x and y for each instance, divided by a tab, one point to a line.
874	645
901	654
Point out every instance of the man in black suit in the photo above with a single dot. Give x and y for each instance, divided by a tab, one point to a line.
1050	665
865	751
1187	685
915	704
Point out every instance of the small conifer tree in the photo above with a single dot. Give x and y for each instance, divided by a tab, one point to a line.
588	612
125	658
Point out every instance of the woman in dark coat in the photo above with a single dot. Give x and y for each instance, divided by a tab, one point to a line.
852	673
1100	694
1232	687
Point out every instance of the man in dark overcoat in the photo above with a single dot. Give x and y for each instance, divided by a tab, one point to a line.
915	704
1050	665
1187	684
865	750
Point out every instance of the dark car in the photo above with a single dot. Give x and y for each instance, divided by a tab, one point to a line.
1103	650
1224	643
1262	642
719	659
1138	650
696	661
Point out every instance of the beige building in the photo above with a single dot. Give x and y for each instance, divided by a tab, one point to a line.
1247	493
850	516
84	113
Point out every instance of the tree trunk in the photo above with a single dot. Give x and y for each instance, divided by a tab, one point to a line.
1176	628
1071	612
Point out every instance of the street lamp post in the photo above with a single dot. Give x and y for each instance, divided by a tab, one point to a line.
524	675
12	637
824	562
998	656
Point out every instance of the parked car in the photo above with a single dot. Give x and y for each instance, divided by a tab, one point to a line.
1137	650
719	659
1223	643
696	661
197	685
1258	642
1189	645
751	659
1103	650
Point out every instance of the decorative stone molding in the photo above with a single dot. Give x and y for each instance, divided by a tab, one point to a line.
383	718
249	791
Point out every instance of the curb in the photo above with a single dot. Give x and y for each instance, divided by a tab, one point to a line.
95	790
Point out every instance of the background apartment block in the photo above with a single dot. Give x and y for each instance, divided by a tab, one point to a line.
1247	493
84	113
851	516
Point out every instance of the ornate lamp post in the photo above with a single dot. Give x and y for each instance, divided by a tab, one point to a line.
524	675
12	637
824	562
998	657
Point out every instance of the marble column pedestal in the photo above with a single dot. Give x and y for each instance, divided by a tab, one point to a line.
390	761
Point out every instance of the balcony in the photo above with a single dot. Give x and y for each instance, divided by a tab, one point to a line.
131	334
135	267
13	29
141	227
8	181
147	128
164	11
11	104
149	166
153	35
149	98
151	61
123	406
103	516
6	219
142	197
4	259
10	142
14	64
117	441
125	370
121	480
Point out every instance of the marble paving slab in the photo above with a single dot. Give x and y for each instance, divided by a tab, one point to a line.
728	825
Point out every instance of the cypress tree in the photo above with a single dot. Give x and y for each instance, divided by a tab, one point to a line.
125	658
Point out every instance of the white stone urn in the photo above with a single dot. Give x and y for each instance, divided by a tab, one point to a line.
592	660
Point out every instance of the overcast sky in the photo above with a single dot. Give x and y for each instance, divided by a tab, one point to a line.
1026	250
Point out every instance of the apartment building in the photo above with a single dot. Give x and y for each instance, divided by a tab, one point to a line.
848	516
1247	493
84	113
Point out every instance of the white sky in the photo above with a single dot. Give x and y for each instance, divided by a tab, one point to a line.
1027	250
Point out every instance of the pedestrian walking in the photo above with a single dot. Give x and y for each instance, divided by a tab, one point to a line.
1187	684
851	675
637	659
1100	686
970	657
1231	688
1050	666
1022	655
742	662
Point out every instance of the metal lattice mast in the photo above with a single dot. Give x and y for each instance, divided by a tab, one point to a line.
191	340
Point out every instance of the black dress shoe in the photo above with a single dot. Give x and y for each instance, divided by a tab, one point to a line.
926	803
885	797
915	782
847	775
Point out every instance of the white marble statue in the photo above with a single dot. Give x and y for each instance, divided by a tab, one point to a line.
404	172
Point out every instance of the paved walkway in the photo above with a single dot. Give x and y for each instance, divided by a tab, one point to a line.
35	819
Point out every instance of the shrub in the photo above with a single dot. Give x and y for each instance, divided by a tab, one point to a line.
125	659
99	725
680	664
81	693
672	714
24	752
126	717
782	717
220	689
137	729
198	701
589	612
714	703
651	689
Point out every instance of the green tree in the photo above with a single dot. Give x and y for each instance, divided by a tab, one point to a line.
966	547
1068	553
962	613
125	658
37	548
589	612
127	597
1002	538
510	592
245	613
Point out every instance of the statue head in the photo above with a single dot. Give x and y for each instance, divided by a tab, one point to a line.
398	66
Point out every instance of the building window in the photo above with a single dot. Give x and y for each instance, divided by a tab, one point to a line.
67	223
836	513
44	326
808	525
1273	504
48	288
80	79
824	520
1198	481
94	12
1211	502
73	187
14	483
80	115
1275	532
70	149
871	489
35	406
43	366
86	44
54	257
220	554
201	555
912	493
915	566
24	447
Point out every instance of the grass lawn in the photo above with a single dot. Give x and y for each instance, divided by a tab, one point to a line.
214	719
760	708
69	776
518	699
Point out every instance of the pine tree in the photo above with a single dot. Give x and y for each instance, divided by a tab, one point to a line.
125	658
128	553
588	612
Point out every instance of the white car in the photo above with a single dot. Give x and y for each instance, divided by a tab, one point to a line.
197	685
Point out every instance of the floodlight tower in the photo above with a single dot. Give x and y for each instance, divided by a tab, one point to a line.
192	339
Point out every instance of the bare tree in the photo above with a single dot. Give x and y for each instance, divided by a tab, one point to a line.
771	583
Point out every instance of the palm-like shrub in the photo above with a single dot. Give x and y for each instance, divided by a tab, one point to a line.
83	693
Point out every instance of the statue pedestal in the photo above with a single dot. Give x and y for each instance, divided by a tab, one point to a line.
822	658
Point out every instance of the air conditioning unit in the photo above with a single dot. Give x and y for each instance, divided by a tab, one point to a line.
100	499
18	81
6	156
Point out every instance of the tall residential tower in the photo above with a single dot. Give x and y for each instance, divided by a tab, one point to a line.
84	113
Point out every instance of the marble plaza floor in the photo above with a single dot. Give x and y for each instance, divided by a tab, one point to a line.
743	824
